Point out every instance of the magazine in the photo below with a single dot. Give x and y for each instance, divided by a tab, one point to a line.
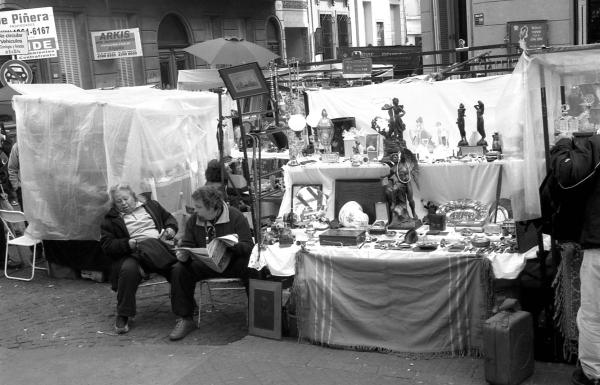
214	255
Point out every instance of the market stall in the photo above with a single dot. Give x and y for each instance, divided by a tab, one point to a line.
76	143
431	111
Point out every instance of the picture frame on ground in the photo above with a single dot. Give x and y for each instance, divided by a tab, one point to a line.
244	80
264	304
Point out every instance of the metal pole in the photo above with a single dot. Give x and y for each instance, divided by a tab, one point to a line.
220	143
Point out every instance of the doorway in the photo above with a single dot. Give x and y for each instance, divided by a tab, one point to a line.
172	39
593	22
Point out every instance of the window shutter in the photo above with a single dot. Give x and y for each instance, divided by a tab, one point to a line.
68	54
126	75
444	26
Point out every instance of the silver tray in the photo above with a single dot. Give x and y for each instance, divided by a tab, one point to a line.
464	212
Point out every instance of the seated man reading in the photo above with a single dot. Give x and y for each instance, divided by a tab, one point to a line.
212	218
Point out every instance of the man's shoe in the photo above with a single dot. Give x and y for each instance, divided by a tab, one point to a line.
121	324
182	328
13	264
579	378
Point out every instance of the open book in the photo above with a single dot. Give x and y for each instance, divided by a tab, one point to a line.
214	255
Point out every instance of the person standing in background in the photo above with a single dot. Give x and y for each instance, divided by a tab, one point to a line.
573	163
14	173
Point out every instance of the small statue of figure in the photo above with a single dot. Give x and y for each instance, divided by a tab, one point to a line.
396	125
399	192
480	129
460	121
325	131
415	134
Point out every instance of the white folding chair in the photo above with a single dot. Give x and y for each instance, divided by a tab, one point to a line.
207	282
10	217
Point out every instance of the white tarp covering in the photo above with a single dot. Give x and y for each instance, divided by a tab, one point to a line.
74	144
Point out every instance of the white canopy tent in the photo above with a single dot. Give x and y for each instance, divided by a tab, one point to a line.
75	143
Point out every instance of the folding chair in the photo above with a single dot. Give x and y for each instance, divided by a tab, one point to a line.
207	283
11	217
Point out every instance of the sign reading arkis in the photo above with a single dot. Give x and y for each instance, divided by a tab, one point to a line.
116	44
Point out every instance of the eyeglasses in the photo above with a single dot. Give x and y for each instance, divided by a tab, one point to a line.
210	233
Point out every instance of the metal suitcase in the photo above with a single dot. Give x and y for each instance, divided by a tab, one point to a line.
508	345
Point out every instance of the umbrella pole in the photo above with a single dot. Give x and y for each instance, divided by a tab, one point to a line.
219	91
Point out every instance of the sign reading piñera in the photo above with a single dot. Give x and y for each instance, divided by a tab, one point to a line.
38	23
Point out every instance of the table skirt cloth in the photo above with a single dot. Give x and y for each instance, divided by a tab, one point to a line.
421	306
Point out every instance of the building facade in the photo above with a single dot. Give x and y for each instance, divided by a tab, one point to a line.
166	27
529	23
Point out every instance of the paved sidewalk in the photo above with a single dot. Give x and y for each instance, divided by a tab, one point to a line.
60	332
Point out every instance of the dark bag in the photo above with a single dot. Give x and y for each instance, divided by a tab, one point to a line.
562	209
155	255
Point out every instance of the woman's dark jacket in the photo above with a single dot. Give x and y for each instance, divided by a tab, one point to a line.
573	163
114	237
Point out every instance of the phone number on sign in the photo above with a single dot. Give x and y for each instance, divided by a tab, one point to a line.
35	31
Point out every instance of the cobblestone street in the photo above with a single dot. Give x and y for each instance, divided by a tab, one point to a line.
60	312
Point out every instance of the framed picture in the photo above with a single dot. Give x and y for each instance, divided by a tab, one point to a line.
308	198
244	80
265	309
339	126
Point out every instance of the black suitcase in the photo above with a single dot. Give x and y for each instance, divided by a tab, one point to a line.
508	345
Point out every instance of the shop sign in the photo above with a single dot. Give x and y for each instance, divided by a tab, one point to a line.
478	18
528	34
357	66
15	72
116	44
13	43
401	56
38	24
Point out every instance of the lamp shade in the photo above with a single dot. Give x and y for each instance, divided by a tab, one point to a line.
297	122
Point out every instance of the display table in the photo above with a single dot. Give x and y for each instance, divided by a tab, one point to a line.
325	174
281	261
421	303
443	182
408	301
436	182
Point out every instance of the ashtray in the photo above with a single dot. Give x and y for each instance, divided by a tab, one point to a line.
480	242
390	234
457	246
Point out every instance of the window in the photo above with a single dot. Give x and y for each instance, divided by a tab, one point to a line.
126	74
217	27
343	25
380	33
326	23
273	37
68	54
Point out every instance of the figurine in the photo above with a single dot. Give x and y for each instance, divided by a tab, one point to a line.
415	134
396	112
480	129
460	121
325	131
399	193
496	146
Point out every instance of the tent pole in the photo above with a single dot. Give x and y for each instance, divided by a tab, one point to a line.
246	171
220	143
